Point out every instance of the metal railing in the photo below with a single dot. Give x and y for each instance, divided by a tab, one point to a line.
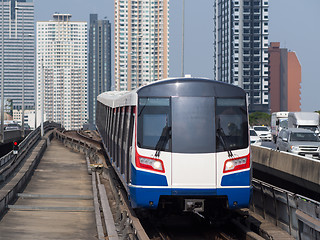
11	170
10	160
297	215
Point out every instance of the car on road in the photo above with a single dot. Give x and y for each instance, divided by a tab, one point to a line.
12	126
300	141
263	132
254	138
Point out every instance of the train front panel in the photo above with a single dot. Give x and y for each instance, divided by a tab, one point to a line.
190	149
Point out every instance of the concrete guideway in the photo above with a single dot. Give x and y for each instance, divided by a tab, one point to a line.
293	212
57	203
290	167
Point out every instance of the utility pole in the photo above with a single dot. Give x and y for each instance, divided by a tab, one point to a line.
42	98
182	54
22	107
2	79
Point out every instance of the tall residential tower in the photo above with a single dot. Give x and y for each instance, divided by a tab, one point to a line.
99	79
62	70
141	42
285	79
241	48
18	52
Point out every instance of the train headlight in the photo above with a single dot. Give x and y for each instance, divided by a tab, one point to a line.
157	165
237	164
229	165
149	163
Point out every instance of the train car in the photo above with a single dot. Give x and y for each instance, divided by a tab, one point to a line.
179	142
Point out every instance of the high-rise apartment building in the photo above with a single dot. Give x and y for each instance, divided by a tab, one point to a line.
99	79
62	70
285	79
241	48
18	48
141	42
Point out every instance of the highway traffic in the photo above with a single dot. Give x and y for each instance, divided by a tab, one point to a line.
293	132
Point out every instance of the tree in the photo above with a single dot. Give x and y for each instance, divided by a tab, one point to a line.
259	118
8	106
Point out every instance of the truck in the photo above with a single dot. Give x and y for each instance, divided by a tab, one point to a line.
306	120
279	120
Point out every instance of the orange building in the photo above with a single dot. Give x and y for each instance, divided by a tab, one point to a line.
285	79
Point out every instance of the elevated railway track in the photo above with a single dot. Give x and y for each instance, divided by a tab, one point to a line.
113	217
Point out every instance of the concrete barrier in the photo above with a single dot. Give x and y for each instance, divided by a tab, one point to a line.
300	170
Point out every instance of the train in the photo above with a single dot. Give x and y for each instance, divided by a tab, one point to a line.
180	143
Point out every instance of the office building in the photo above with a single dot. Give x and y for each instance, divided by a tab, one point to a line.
141	42
285	79
17	41
62	70
241	48
29	118
99	78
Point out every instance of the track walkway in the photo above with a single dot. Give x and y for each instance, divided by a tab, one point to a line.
57	203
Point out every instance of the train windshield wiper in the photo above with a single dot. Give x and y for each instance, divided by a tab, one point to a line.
223	140
163	140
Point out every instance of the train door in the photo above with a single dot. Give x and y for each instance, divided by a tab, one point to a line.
193	143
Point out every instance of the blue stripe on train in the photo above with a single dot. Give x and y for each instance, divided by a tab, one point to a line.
143	178
236	179
145	197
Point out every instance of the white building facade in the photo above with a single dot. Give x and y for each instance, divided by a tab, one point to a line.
29	118
62	70
141	42
241	48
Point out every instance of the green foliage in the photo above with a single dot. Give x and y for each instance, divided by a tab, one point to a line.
318	111
8	106
259	118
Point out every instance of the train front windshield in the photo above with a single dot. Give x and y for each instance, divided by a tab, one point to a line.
231	124
192	124
154	124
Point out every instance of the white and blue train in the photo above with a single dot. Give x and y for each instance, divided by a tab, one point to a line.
179	142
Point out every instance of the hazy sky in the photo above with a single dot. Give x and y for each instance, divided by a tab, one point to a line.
293	23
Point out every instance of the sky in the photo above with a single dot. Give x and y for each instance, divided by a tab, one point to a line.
293	23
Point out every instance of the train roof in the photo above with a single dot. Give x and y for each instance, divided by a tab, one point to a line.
201	87
118	98
185	79
191	87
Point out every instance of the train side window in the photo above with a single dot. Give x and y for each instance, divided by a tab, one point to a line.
108	129
113	130
124	150
104	119
121	139
116	155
